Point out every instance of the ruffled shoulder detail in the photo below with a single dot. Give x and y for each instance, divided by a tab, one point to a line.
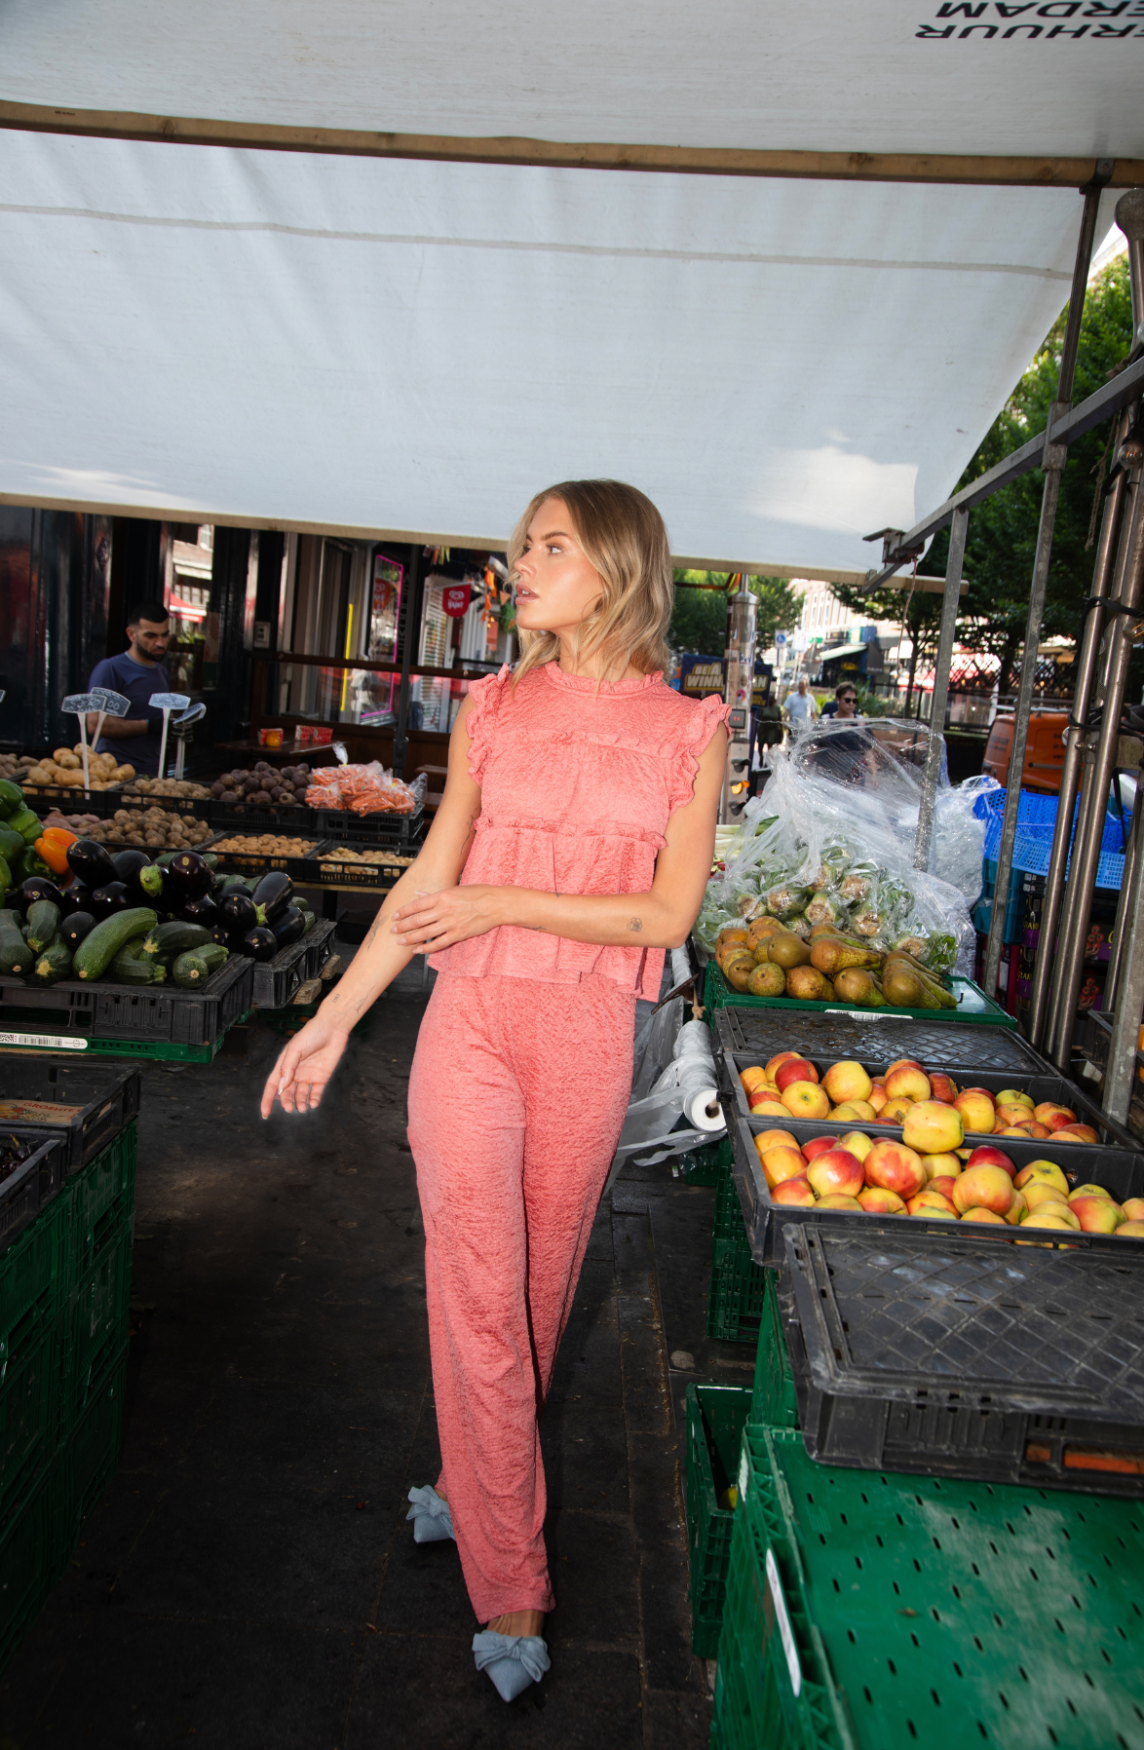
703	720
488	696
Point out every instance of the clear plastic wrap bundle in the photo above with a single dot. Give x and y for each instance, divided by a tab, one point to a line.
831	842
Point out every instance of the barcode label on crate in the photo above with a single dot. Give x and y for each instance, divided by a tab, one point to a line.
865	1014
49	1041
782	1617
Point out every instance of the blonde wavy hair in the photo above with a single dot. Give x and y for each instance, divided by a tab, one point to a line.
624	539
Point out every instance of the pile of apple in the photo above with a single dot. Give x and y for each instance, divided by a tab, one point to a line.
928	1173
789	1087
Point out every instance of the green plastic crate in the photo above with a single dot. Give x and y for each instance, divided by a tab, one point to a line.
973	1006
103	1193
773	1401
928	1611
90	1452
33	1273
716	1417
31	1558
30	1408
702	1166
735	1300
98	1312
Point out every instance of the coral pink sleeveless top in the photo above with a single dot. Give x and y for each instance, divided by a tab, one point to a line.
577	785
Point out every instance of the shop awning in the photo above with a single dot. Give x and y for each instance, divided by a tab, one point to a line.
410	346
840	650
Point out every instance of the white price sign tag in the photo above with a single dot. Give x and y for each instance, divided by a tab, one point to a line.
50	1041
782	1617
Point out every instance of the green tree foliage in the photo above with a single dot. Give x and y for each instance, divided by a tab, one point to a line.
1003	531
699	622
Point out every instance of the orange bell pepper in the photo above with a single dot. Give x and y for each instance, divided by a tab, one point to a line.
52	847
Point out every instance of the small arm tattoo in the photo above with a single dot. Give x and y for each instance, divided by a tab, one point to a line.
636	924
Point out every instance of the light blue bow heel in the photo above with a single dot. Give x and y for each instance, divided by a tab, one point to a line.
512	1661
432	1520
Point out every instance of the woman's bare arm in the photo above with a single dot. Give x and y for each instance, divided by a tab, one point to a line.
307	1063
660	918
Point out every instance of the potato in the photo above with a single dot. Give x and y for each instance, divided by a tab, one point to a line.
69	761
125	773
63	753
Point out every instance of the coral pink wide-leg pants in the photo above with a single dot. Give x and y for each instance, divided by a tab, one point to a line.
516	1100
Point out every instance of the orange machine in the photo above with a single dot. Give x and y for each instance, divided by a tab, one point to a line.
1044	750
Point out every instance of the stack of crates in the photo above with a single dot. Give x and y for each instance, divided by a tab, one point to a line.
735	1301
716	1418
65	1285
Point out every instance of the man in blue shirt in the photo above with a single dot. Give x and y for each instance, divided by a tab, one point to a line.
137	673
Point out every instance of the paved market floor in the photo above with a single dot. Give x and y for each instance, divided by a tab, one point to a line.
250	1580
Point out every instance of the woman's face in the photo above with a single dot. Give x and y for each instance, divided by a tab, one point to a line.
557	587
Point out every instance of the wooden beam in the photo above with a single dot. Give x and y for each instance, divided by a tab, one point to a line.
1027	172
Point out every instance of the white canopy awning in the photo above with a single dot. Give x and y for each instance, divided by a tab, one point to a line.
409	346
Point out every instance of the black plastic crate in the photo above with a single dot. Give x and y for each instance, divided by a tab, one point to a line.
1120	1171
275	981
242	861
88	1104
763	1032
1042	1087
194	807
380	875
25	1192
371	829
1023	1365
294	817
149	1013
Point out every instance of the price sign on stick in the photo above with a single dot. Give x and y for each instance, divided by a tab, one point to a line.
166	703
191	715
81	704
114	705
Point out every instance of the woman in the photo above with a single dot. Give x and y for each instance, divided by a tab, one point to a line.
578	819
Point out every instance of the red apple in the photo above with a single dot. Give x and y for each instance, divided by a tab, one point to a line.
943	1089
794	1193
847	1080
980	1213
894	1111
1055	1116
780	1058
930	1199
754	1076
1133	1208
894	1167
932	1128
783	1163
836	1171
839	1200
877	1096
1077	1133
1097	1215
818	1145
988	1156
875	1201
907	1082
984	1188
943	1183
806	1100
977	1111
772	1107
901	1063
794	1070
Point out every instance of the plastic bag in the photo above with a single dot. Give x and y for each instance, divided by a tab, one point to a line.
369	789
831	842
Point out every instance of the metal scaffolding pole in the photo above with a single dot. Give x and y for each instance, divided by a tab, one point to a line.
1128	902
949	607
1055	457
1086	846
1078	739
1128	994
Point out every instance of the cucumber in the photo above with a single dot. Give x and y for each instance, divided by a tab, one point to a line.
191	970
54	963
167	941
130	968
99	948
16	957
43	922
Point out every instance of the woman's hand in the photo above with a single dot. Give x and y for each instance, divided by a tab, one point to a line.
434	921
298	1080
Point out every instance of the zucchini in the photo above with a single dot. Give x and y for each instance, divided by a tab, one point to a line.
16	957
167	941
129	967
100	946
12	845
54	963
191	970
11	797
43	922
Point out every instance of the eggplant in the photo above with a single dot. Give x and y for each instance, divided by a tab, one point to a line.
106	901
128	864
289	926
239	914
35	887
91	863
259	944
202	910
189	875
220	937
74	929
76	898
274	893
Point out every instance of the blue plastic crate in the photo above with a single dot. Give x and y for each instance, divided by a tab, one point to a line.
1036	823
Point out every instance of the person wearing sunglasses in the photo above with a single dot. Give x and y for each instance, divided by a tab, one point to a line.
844	704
